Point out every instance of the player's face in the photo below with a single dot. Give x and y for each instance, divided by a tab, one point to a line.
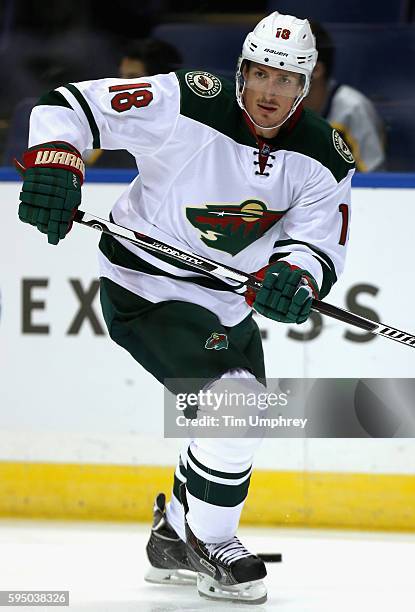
131	68
269	93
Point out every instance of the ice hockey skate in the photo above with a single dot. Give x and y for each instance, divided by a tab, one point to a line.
166	552
226	571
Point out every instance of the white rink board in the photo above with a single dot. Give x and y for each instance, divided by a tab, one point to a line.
97	405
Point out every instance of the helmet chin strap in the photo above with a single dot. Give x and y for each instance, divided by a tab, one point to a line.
261	127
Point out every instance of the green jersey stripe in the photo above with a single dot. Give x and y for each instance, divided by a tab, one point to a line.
96	140
327	265
328	278
320	254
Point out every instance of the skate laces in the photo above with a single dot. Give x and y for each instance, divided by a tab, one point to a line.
229	551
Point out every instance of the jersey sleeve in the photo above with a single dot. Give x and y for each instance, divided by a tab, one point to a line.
315	230
137	115
355	117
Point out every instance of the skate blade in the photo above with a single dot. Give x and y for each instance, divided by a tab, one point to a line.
170	576
254	592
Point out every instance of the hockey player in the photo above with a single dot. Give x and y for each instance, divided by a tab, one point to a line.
255	182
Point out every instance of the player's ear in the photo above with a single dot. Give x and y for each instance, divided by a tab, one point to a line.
319	71
245	69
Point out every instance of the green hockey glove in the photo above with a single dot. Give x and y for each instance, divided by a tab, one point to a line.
286	294
52	177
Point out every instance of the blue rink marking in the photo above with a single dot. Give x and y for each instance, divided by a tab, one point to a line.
388	180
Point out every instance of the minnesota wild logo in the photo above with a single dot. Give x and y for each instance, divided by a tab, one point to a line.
232	227
217	341
203	84
342	148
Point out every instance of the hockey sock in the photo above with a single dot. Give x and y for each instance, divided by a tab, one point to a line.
218	474
174	509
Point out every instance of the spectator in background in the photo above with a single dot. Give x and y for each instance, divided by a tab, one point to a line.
145	57
346	108
148	57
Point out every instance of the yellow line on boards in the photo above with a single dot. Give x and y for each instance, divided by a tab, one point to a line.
285	498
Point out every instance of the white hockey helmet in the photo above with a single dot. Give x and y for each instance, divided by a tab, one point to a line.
279	41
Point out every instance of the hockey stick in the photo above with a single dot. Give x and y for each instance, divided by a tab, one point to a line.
238	281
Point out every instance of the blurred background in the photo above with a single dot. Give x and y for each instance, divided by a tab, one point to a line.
366	48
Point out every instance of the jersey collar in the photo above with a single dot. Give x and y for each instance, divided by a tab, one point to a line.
286	128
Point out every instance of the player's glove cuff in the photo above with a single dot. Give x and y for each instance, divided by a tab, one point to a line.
56	154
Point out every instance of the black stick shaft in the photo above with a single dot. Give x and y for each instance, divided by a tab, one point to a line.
238	281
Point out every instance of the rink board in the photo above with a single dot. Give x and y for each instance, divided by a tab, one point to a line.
74	450
126	493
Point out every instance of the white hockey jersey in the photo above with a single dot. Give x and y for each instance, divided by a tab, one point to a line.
206	184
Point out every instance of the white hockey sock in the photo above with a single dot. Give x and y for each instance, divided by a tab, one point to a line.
218	474
174	509
175	516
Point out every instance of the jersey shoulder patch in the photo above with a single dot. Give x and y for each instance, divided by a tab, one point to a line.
203	84
315	137
342	148
210	100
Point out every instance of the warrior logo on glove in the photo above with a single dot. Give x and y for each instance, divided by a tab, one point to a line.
53	174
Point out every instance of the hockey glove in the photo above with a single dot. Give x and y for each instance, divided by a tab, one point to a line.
53	174
286	294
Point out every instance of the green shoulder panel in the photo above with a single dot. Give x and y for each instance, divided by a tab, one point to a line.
53	98
313	136
211	100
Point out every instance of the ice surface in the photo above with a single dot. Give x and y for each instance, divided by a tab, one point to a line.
102	565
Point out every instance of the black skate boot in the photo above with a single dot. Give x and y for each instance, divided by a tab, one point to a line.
226	571
166	552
